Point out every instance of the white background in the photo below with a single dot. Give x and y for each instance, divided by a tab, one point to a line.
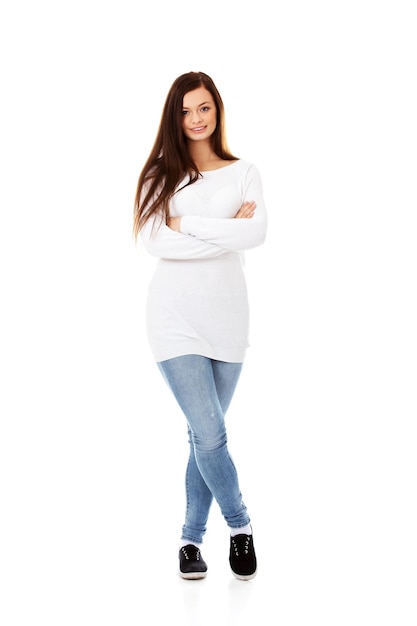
322	97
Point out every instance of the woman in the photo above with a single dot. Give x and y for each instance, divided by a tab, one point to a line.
197	208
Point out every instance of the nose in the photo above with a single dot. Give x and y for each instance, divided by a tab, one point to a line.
196	117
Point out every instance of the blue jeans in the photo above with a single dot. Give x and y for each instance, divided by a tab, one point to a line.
204	388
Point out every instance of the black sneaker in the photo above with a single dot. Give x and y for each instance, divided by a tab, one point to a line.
192	564
242	557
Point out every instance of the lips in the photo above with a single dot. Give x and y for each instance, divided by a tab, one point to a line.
198	129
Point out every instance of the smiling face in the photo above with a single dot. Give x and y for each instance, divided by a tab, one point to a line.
199	118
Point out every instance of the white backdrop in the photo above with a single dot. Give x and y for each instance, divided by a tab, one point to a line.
322	97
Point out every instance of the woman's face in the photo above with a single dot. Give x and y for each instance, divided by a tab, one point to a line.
198	114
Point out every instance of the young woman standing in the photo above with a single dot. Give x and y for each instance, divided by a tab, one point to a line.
198	208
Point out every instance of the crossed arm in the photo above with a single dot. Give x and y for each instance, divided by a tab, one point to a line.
246	211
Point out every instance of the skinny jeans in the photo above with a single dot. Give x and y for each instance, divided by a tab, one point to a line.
203	388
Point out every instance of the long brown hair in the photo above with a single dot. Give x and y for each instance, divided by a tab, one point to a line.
169	161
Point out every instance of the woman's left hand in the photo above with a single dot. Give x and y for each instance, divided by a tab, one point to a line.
246	211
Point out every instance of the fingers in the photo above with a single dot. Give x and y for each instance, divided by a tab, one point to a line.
247	210
174	223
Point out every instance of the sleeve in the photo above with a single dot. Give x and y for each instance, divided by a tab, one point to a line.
233	234
161	241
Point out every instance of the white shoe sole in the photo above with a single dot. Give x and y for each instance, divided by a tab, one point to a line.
193	575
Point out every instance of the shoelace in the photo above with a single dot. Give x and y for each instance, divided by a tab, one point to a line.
195	556
245	546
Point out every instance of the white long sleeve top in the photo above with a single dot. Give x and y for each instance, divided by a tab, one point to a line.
197	299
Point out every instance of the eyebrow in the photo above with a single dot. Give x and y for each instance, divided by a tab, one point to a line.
199	105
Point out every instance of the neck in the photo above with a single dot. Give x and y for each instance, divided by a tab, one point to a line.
201	153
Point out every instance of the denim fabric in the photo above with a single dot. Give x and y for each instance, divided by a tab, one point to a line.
203	389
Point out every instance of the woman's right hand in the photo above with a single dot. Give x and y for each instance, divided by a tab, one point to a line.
247	210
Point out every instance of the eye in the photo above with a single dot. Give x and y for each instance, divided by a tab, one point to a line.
183	113
205	109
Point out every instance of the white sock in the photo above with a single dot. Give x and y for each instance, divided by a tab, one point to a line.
244	530
187	542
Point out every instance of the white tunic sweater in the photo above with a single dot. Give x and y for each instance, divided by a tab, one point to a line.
197	300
